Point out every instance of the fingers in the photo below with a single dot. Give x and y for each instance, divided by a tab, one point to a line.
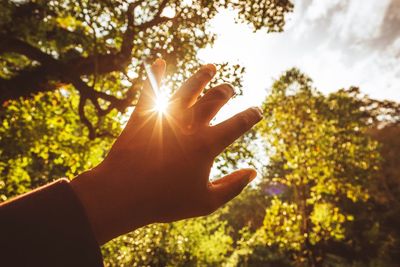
147	96
225	133
187	95
230	186
208	106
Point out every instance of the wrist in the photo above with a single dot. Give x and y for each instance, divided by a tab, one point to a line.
110	204
86	187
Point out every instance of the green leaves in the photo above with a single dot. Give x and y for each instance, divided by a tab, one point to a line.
282	226
195	242
324	158
42	139
263	13
94	45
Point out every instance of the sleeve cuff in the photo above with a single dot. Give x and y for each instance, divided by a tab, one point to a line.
47	227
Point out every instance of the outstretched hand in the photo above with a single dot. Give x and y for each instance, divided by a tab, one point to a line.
158	168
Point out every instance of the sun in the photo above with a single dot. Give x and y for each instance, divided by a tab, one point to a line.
161	103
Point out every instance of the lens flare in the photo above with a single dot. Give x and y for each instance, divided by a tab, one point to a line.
161	103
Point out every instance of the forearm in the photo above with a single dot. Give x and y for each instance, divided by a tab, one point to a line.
47	227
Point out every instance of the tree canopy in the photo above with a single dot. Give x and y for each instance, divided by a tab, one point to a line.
322	179
98	47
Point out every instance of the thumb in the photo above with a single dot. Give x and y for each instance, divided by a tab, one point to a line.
231	185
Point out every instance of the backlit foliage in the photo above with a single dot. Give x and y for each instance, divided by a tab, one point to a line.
194	242
320	161
99	46
42	139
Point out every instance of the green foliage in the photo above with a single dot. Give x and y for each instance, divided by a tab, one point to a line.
42	139
263	13
282	226
195	242
322	161
99	46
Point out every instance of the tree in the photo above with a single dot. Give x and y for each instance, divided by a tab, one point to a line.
320	163
98	46
69	70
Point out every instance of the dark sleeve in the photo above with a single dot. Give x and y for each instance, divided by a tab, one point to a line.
47	227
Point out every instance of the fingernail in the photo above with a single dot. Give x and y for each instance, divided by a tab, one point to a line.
231	89
251	174
258	112
158	62
209	69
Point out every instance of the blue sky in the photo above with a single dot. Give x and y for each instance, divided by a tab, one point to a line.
338	43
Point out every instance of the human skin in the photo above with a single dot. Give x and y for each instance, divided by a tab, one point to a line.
158	168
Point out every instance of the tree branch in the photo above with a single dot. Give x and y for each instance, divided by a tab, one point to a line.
127	42
161	7
53	73
28	82
88	93
153	22
84	119
17	46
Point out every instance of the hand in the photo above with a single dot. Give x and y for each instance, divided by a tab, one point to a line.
158	168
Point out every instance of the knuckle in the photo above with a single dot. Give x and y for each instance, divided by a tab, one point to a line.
193	82
248	118
198	78
224	91
244	120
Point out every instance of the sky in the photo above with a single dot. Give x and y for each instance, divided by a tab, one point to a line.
338	43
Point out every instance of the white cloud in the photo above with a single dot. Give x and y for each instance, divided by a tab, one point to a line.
319	8
338	43
360	20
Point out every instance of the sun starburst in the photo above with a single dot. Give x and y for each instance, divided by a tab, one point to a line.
161	103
